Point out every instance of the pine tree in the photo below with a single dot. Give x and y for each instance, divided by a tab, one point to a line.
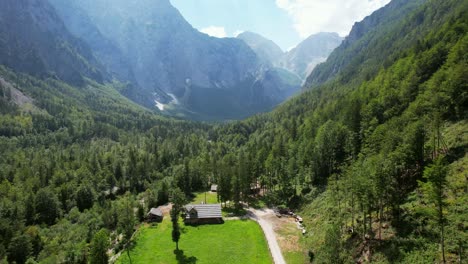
99	246
178	201
434	189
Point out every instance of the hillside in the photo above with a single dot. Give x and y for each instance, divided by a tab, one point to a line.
372	155
357	152
368	36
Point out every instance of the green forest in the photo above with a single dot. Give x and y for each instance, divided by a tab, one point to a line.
374	157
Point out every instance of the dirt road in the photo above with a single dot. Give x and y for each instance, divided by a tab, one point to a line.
261	216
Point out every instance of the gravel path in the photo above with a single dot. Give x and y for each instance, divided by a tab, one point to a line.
261	217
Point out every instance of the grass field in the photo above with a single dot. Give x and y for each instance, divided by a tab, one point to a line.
211	198
234	242
291	243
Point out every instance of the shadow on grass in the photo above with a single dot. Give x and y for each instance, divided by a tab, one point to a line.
183	259
154	225
233	211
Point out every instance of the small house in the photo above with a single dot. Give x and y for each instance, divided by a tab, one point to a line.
155	215
203	214
214	188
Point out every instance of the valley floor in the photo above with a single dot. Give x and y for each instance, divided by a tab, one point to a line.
237	241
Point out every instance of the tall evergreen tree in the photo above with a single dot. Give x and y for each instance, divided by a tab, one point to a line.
435	190
178	201
98	248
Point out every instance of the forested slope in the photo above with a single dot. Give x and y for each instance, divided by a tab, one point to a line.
364	147
375	158
370	42
68	156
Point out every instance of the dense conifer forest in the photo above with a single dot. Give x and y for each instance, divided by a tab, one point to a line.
373	155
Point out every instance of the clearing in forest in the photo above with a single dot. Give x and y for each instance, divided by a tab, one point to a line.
231	243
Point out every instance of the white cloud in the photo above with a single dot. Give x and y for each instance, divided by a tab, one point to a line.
313	16
214	31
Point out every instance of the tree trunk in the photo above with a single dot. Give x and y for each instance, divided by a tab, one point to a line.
442	241
460	251
128	254
352	207
364	224
380	219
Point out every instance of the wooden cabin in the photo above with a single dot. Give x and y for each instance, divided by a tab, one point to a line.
155	215
203	214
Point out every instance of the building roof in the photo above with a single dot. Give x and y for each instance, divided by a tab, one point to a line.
205	210
155	211
214	187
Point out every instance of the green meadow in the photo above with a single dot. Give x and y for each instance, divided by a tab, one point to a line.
229	243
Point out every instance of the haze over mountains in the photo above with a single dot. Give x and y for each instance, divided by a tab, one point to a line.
300	60
35	40
150	45
158	56
372	155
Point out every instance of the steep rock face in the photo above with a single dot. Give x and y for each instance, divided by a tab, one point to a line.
266	49
81	26
168	56
299	62
310	52
34	40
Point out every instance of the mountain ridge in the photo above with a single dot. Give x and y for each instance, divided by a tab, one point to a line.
354	42
170	57
311	52
372	156
300	60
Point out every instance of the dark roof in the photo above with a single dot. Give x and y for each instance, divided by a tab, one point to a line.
205	210
155	211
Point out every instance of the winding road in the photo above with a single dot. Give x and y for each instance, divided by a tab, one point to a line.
260	217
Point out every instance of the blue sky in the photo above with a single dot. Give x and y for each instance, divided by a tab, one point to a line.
260	16
286	22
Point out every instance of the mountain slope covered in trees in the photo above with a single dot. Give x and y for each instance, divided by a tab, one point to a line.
373	155
368	36
361	149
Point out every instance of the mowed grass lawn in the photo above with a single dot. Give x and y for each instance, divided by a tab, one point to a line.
229	243
211	198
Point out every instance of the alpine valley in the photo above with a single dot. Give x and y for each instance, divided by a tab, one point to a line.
118	113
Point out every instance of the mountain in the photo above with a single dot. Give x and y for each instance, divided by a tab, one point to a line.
35	40
310	52
378	140
271	54
372	156
365	36
81	26
267	50
188	72
299	61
